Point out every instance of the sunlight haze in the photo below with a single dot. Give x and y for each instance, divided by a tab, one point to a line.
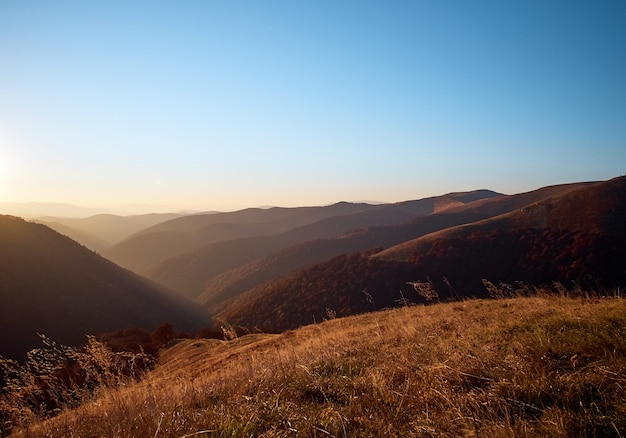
205	105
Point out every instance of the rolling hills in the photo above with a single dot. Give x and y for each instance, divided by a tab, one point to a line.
190	272
279	268
577	237
151	246
50	284
235	282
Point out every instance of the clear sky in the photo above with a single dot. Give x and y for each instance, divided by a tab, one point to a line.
225	104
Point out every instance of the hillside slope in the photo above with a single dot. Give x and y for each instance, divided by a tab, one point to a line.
533	367
52	285
189	273
237	281
576	238
85	238
596	209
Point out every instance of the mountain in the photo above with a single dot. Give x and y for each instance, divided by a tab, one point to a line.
237	281
154	245
592	209
190	272
103	230
52	285
577	237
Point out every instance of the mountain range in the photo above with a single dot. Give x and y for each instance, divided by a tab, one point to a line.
574	237
274	269
237	281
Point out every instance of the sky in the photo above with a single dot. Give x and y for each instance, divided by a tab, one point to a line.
229	104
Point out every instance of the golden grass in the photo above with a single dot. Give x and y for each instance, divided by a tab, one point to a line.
541	366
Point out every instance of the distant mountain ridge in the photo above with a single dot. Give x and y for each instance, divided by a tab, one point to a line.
278	268
36	209
190	272
146	249
574	234
53	285
100	231
233	283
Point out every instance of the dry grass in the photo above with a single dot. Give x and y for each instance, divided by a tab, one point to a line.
541	366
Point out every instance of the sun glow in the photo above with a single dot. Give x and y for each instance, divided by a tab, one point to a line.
6	166
13	171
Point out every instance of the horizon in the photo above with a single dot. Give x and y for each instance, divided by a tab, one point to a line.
42	210
206	106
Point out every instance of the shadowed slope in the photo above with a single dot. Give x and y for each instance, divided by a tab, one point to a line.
52	285
85	238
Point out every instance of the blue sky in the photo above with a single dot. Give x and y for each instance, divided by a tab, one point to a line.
215	104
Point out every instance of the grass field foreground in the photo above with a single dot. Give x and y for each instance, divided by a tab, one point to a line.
539	366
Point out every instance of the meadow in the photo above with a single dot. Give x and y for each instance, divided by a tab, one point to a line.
525	366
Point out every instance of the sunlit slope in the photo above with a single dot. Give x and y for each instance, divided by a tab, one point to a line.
505	204
190	272
597	209
535	367
450	212
578	238
53	285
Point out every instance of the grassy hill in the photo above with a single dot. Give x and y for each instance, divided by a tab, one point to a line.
576	238
535	367
51	284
